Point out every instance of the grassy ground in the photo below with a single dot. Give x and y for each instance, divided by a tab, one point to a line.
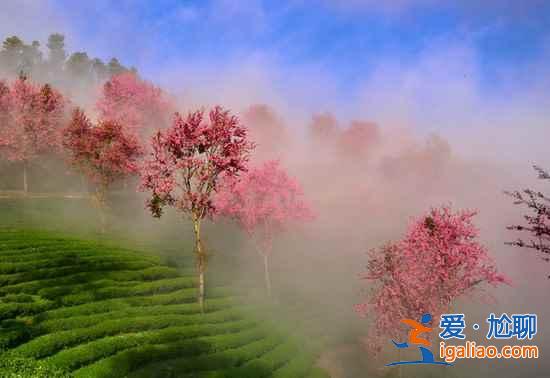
76	303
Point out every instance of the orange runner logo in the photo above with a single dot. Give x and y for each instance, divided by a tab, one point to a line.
415	340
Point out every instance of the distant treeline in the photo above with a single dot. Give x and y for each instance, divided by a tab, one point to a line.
53	64
78	76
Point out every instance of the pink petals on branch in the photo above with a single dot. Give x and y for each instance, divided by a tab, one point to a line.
437	261
103	152
31	120
264	201
188	159
133	103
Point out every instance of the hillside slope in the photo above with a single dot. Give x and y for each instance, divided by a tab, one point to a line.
81	308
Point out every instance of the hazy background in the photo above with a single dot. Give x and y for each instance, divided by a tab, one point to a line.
456	98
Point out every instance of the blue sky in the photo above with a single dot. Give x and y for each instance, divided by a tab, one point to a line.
429	62
345	38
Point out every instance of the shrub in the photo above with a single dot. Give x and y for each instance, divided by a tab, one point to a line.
25	368
60	324
87	353
11	279
268	362
124	362
147	274
221	360
49	344
122	304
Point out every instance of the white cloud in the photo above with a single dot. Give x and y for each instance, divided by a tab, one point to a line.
30	20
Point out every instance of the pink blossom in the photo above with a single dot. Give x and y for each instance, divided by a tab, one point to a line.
265	201
438	260
188	160
133	103
31	118
104	152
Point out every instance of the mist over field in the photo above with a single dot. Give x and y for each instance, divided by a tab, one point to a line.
380	110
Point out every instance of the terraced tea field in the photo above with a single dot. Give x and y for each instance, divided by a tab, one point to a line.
84	308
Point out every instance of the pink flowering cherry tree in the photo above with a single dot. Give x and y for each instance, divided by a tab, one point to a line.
186	164
134	103
265	202
267	131
32	119
103	152
438	261
358	140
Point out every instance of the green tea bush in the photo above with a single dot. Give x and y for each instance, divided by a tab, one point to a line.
87	353
48	344
90	309
130	359
226	359
28	368
147	274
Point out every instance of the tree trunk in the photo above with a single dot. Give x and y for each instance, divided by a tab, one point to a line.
266	274
201	261
99	198
25	184
103	218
